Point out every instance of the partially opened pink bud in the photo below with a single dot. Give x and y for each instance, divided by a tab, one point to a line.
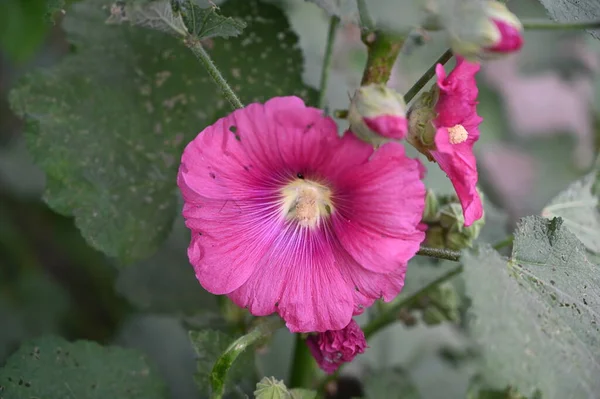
493	31
377	114
332	348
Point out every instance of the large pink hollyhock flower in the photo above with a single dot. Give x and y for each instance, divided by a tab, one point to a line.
457	130
288	217
332	348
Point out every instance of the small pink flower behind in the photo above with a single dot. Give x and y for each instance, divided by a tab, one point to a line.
444	126
288	217
333	348
377	114
506	35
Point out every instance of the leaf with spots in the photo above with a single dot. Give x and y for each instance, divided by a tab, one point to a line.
109	123
536	316
51	367
205	23
578	208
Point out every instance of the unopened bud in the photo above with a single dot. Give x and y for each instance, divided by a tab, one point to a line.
499	31
377	114
443	305
458	236
421	130
432	206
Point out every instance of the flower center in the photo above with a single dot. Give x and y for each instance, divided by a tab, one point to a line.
306	202
458	134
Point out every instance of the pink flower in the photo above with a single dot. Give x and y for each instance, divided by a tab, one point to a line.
288	217
510	38
332	348
457	130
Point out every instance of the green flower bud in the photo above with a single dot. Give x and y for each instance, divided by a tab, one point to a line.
432	206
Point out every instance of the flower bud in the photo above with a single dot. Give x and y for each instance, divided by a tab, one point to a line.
497	31
458	236
421	132
444	303
432	207
332	348
377	114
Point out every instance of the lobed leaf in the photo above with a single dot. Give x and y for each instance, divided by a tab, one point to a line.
109	123
578	208
536	316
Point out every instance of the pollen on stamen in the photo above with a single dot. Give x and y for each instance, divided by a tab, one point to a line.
306	202
457	134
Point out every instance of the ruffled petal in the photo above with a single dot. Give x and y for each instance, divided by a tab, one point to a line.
458	161
300	279
379	208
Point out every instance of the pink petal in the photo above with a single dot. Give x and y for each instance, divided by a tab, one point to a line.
511	38
458	93
300	279
381	205
229	238
458	161
390	126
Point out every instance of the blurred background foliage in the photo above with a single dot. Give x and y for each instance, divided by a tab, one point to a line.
540	133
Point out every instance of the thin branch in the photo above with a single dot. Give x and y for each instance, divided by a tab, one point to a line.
194	44
366	22
440	253
333	24
423	80
549	25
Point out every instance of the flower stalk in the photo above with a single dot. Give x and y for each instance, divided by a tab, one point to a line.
423	80
549	25
194	44
333	25
219	372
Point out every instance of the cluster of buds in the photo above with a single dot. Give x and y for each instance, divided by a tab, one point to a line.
446	224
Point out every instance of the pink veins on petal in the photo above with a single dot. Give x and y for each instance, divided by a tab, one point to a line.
457	130
288	217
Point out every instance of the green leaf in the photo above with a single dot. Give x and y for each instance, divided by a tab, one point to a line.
156	15
578	207
165	283
271	388
391	383
51	367
574	11
536	314
209	345
205	23
23	25
108	125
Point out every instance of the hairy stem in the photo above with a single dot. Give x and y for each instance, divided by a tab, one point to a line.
391	314
423	80
219	372
549	25
383	49
440	253
303	365
194	44
333	25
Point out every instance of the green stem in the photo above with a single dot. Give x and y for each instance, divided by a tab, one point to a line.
196	46
549	25
423	80
340	113
366	22
303	365
504	243
440	253
219	372
383	49
391	314
333	24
